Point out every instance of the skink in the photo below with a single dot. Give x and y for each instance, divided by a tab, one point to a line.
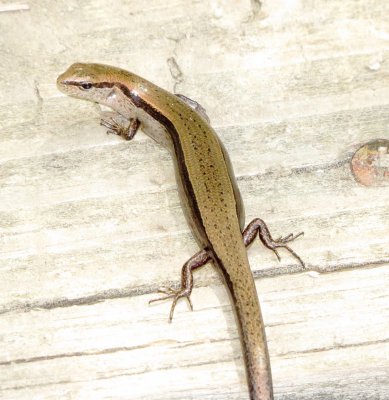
208	191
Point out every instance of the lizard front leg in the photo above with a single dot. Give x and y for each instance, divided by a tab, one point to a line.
127	131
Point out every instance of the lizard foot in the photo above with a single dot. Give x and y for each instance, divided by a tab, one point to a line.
126	132
281	242
174	294
258	227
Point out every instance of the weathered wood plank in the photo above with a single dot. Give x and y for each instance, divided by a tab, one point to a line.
123	349
91	226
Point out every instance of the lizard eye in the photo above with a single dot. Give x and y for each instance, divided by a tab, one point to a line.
86	86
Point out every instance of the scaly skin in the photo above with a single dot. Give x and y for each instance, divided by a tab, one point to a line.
208	192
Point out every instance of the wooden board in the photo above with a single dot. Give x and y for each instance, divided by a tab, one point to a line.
91	226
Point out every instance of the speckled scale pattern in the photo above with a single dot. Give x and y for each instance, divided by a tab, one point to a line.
213	189
209	195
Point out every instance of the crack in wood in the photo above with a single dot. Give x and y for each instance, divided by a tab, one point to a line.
143	371
75	354
335	347
113	294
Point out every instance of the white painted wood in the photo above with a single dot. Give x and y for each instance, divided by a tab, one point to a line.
91	226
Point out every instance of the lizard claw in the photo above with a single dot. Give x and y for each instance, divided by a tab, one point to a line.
113	126
288	238
175	295
281	242
126	132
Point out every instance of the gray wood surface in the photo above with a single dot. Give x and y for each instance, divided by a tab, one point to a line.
91	226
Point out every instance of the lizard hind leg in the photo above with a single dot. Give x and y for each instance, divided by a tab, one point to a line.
196	261
258	226
196	106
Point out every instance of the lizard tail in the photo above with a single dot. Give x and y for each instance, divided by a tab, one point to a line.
241	286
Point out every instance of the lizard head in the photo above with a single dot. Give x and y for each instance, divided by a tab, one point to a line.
86	81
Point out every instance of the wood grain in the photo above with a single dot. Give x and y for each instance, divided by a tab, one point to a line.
91	226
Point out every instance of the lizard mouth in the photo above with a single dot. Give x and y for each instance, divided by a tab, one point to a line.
63	84
60	81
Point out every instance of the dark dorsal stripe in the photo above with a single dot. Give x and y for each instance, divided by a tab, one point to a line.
138	101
